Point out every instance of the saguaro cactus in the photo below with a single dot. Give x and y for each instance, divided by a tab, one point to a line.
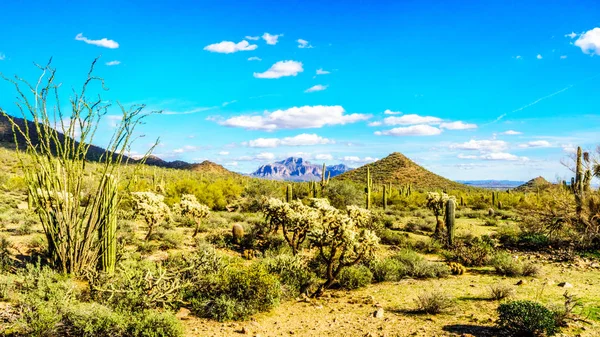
324	181
493	199
368	188
385	197
288	193
450	207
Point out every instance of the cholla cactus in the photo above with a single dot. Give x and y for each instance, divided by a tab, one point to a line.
340	242
362	217
189	207
295	219
436	202
151	207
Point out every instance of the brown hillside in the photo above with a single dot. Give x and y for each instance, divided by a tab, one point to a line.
398	169
533	185
209	167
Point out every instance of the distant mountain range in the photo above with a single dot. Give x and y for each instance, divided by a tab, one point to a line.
297	169
492	184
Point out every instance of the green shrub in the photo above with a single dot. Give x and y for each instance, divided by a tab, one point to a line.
294	274
390	237
472	251
387	270
501	291
526	318
407	263
355	277
235	293
506	265
151	323
92	319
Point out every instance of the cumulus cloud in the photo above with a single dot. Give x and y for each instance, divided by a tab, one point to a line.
318	87
271	39
263	156
228	47
303	44
113	63
572	35
518	57
2	57
411	119
502	156
569	148
562	57
482	145
186	148
464	156
303	139
413	130
539	56
320	71
589	42
282	69
457	126
512	133
536	143
223	153
296	118
324	156
390	112
104	42
357	160
254	58
376	123
252	38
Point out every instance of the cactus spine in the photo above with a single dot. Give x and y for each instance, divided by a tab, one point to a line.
450	207
288	193
368	188
107	231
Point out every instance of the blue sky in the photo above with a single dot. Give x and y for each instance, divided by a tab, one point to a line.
466	89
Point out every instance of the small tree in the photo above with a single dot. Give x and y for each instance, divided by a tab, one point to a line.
189	207
436	202
151	208
340	242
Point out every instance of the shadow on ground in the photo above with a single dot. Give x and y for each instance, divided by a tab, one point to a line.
474	330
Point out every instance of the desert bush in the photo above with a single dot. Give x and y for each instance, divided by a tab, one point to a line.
432	303
501	291
418	226
342	194
355	277
293	273
5	256
190	208
169	239
414	265
151	208
506	265
491	222
472	251
394	238
526	318
235	293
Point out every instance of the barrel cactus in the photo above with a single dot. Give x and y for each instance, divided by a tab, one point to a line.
456	268
237	231
491	212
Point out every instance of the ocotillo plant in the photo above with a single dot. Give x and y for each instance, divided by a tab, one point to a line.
324	181
450	207
368	188
288	193
57	143
107	231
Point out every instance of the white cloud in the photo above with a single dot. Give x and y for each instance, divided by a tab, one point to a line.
114	120
377	123
411	119
569	148
463	156
254	58
512	133
457	126
186	148
186	112
296	118
324	156
390	112
589	42
482	145
104	42
572	35
356	159
413	130
2	57
271	39
113	63
252	38
303	44
282	69
318	87
502	156
228	47
536	143
562	57
304	139
223	153
265	156
320	71
539	56
518	57
228	103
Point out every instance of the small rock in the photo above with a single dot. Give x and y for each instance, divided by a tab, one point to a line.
565	285
378	313
521	282
183	313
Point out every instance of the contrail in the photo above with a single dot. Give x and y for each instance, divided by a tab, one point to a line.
541	99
